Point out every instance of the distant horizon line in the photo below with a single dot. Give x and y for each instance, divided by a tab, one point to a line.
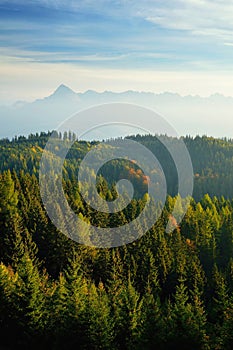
65	86
48	133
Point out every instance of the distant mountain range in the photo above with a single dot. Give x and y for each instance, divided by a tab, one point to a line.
189	115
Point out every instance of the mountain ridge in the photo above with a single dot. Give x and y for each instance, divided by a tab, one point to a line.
64	90
188	114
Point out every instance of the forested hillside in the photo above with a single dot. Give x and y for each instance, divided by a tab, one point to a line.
163	291
212	159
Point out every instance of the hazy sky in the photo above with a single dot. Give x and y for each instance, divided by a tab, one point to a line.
183	46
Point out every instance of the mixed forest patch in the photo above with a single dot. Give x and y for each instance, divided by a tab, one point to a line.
163	291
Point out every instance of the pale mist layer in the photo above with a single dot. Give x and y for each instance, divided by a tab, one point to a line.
189	115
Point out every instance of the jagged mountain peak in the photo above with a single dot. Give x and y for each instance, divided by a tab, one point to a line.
63	90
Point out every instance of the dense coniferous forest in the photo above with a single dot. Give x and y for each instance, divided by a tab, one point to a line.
163	291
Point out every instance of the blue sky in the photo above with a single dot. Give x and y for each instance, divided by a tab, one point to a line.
184	46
